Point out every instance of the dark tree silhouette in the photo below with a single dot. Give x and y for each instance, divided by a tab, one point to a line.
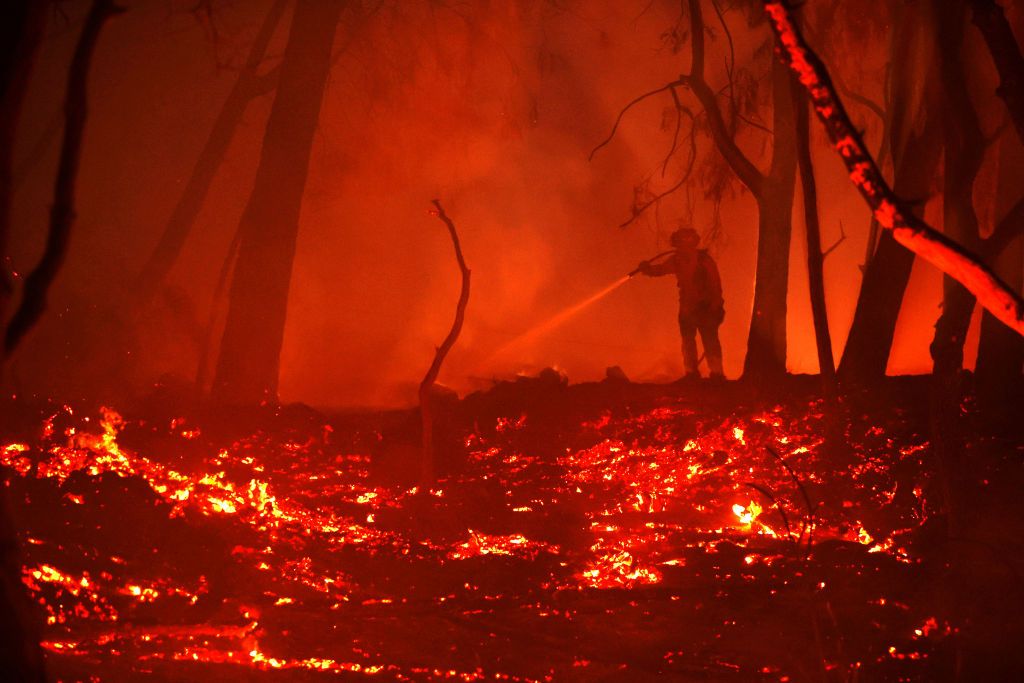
914	130
815	257
1000	352
773	192
249	361
37	284
20	656
427	385
21	30
249	84
965	149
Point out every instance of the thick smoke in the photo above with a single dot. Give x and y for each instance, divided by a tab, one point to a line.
491	107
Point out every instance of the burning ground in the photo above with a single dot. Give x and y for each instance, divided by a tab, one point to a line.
593	532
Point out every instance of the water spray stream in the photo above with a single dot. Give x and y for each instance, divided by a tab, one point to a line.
559	318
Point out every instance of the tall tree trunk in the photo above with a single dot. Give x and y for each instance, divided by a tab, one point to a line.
915	145
250	353
965	148
179	225
21	29
998	371
766	343
815	259
766	340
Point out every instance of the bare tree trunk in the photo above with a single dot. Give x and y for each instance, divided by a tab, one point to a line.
999	371
179	225
250	353
766	343
915	145
203	366
37	284
21	30
965	148
427	471
815	260
766	340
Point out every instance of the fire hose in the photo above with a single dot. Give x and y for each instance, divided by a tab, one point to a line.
651	260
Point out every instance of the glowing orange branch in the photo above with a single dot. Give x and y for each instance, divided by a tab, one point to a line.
910	231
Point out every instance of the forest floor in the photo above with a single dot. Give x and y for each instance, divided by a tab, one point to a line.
596	532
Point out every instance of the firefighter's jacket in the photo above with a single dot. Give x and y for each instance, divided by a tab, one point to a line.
700	287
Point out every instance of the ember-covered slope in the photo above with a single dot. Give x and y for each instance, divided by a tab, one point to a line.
599	532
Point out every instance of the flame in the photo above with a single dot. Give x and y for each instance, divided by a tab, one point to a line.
747	515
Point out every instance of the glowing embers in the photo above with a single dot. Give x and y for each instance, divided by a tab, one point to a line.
305	534
512	544
615	567
748	514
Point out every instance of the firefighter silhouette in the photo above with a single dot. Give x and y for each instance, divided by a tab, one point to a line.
701	308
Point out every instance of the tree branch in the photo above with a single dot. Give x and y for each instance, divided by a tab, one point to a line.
62	215
427	385
632	103
910	231
680	109
638	210
740	164
730	65
842	238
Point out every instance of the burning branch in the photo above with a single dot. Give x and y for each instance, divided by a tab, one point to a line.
910	231
62	215
427	385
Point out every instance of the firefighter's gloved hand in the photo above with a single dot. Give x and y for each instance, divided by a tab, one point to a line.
644	267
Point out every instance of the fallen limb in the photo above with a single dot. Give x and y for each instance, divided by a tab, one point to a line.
910	231
427	385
